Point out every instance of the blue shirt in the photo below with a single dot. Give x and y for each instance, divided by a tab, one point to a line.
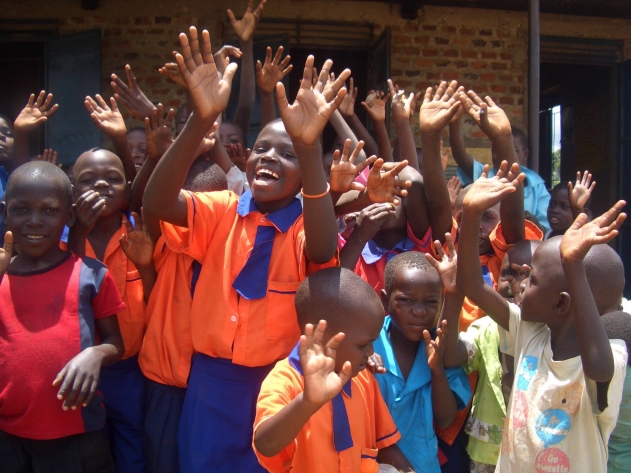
410	401
536	195
4	177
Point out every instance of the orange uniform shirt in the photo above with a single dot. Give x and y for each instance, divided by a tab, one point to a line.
371	425
132	320
221	232
165	355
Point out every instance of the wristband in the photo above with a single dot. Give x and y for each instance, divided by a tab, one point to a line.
307	196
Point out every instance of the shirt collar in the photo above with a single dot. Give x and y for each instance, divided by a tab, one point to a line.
373	252
282	219
294	361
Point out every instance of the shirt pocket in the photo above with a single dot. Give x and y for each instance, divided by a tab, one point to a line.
368	463
281	320
134	298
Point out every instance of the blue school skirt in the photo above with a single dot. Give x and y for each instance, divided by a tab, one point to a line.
215	431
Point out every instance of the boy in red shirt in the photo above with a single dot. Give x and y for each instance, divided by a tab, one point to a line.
53	305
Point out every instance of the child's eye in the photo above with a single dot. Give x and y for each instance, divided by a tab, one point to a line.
287	155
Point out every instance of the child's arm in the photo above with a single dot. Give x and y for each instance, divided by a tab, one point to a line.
456	142
132	98
344	169
437	110
245	29
138	245
455	351
30	118
347	110
369	222
593	343
322	384
377	112
159	132
443	401
344	132
210	96
393	455
495	124
580	193
6	253
90	206
110	122
79	379
454	186
267	76
304	121
483	194
401	112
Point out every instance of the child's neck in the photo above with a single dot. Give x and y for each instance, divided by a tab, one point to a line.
24	263
102	232
404	350
563	340
269	207
388	239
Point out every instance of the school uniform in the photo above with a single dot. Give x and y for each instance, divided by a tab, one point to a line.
122	384
410	401
242	319
165	355
344	436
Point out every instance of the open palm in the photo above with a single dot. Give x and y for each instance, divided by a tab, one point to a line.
384	186
446	264
439	107
36	112
273	70
245	26
486	192
136	243
159	132
107	119
580	192
488	116
344	170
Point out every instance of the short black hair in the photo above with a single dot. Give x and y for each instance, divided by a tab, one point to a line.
618	327
137	128
605	275
41	170
331	294
205	176
409	259
519	134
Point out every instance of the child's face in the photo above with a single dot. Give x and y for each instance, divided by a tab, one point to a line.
231	134
541	291
414	301
273	170
138	146
37	212
490	219
559	210
102	172
6	140
367	320
511	279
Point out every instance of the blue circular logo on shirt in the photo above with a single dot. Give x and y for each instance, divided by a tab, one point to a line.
552	426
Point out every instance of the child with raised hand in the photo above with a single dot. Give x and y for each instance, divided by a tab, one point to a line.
35	114
417	389
131	96
347	111
254	249
568	376
567	202
320	410
375	106
101	194
55	304
268	74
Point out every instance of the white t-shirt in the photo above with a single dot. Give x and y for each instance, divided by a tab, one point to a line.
553	423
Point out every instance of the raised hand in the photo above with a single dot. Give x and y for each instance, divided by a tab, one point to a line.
245	26
136	243
238	155
209	141
132	98
439	107
273	70
375	105
414	102
347	107
375	364
107	119
159	131
344	171
446	264
454	186
371	219
305	119
383	185
78	380
209	92
322	383
6	253
401	106
582	235
89	207
35	113
580	192
435	349
460	111
222	57
172	72
486	192
489	117
49	156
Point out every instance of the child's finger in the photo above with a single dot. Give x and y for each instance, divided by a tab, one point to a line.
101	102
84	392
338	87
187	57
147	122
318	334
207	54
336	157
356	151
330	349
345	374
168	122
74	391
345	149
366	162
92	392
228	74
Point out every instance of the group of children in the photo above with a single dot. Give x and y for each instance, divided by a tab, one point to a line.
198	305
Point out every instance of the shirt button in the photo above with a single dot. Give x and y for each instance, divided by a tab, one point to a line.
233	318
262	220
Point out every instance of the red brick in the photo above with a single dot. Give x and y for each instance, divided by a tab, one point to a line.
451	75
135	31
466	31
439	40
153	80
450	53
486	32
487	77
461	64
448	29
402	84
429	27
488	55
442	63
433	75
421	39
469	54
507	101
500	89
423	85
430	52
410	27
460	41
480	43
162	20
479	65
396	72
506	56
505	77
424	62
498	66
503	34
400	39
515	90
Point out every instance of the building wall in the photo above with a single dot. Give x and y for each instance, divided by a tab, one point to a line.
485	50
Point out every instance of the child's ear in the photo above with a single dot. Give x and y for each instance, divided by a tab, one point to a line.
563	303
385	300
72	216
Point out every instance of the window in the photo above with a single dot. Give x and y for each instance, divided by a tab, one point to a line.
555	125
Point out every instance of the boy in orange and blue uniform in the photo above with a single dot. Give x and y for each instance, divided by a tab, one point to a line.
306	404
102	193
254	252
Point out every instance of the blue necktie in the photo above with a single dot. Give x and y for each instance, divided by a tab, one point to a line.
251	283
